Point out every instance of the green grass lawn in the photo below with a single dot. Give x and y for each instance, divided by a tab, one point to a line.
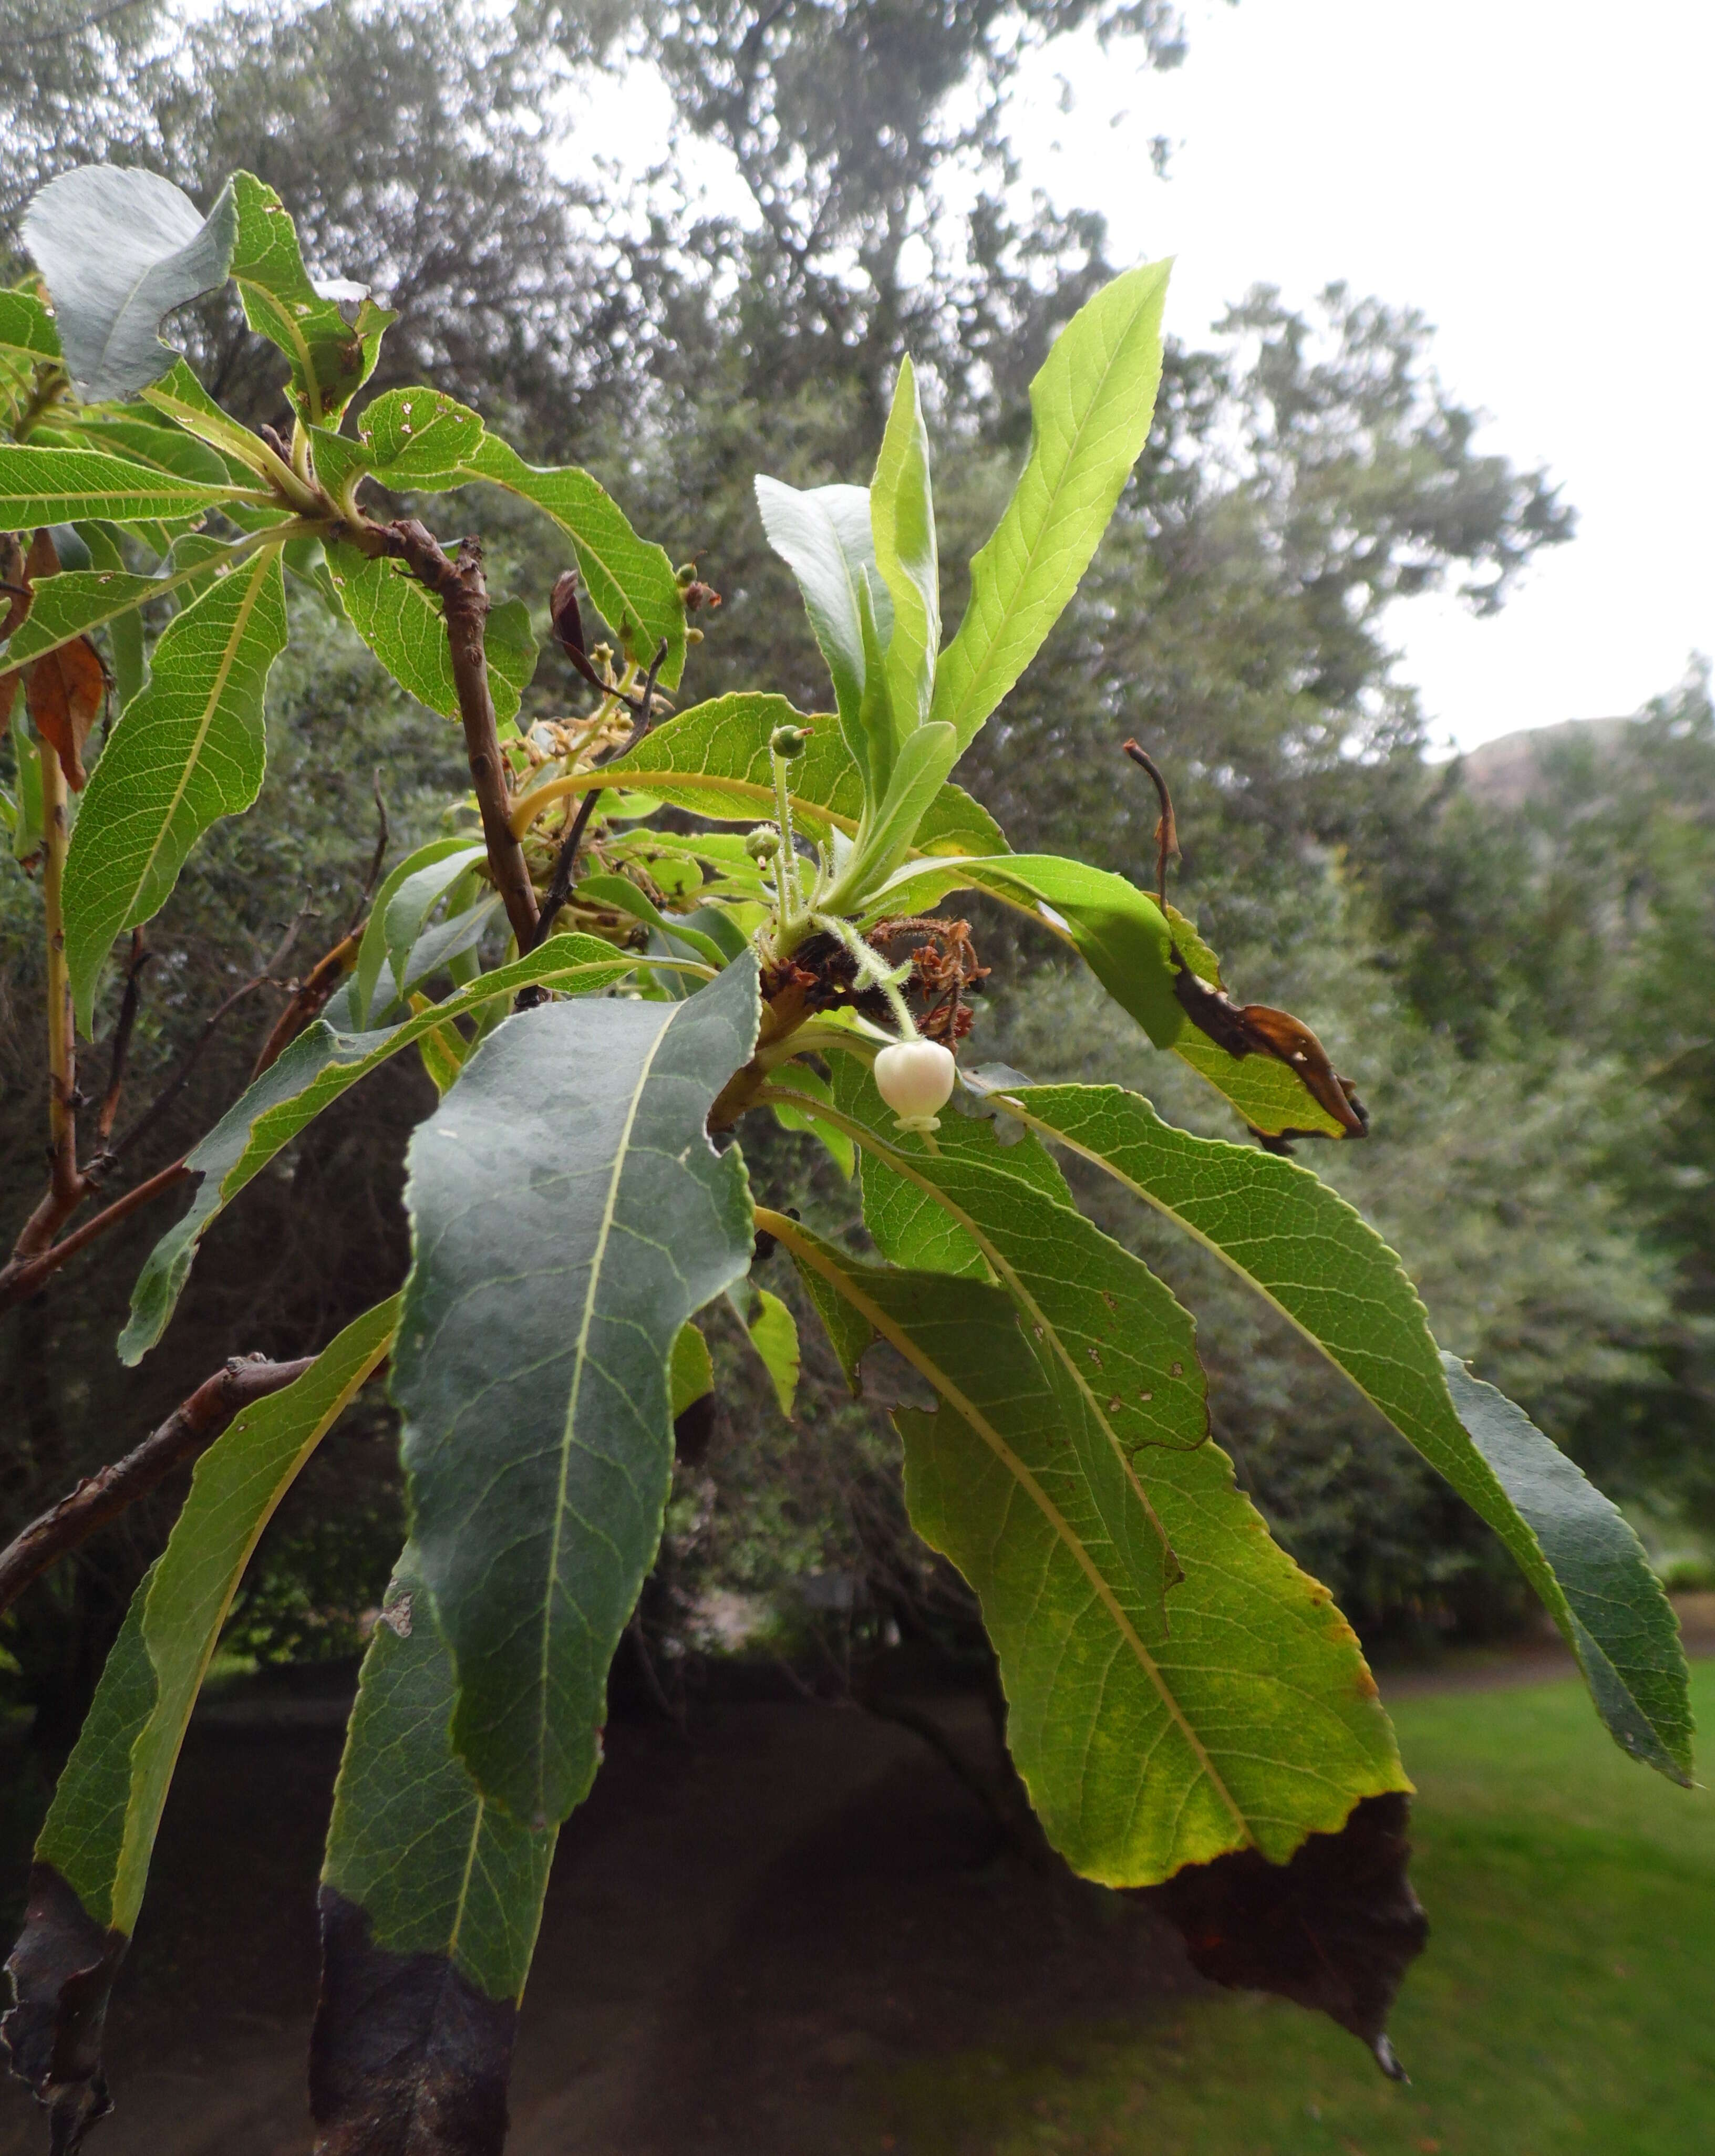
1566	2001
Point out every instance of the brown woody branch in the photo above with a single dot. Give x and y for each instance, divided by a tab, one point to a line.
188	1430
458	585
28	1270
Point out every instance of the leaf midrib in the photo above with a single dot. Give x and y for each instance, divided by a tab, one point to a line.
782	1229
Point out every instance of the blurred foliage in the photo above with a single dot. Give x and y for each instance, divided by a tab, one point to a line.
1522	987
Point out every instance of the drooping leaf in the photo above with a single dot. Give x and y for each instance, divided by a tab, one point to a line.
568	1214
1116	929
1091	405
404	913
189	748
92	1858
65	693
1334	1928
823	535
26	330
1253	1723
439	864
402	625
714	759
63	487
632	585
902	521
321	1064
691	1373
330	356
430	1900
618	891
120	247
1320	1264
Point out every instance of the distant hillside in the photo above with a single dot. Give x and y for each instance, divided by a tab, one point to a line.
1506	772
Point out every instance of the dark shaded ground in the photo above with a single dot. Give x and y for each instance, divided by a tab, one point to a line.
742	1930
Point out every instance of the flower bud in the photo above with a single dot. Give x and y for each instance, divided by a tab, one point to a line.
788	741
915	1078
763	843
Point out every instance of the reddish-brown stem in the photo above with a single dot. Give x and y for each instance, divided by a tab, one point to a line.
122	1038
308	999
29	1268
464	596
1167	835
192	1426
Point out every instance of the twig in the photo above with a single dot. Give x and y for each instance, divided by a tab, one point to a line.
566	861
28	1270
140	958
189	1429
67	1185
464	596
1167	835
379	856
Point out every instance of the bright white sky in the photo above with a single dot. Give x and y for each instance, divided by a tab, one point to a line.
1534	175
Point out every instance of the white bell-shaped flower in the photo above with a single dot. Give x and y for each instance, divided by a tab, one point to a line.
915	1079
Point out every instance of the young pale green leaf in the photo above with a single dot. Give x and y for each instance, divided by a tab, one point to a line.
691	1375
189	748
808	1085
773	1331
1116	929
414	440
632	585
100	1831
1091	406
903	522
1255	1722
330	357
568	1214
62	486
119	247
915	785
618	890
377	946
714	759
404	910
430	1901
144	438
437	948
27	330
319	1066
822	533
178	396
1323	1266
402	625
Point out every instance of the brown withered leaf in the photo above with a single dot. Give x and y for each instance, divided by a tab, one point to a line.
1335	1928
407	2057
65	690
1255	1030
62	1970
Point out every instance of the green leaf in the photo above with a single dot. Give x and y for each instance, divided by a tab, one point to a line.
917	778
809	1085
430	1901
1322	1265
1254	1723
146	439
76	601
691	1375
316	1068
119	247
179	397
26	330
428	872
773	1331
402	625
713	759
188	749
620	891
330	357
631	585
100	1831
1091	406
568	1214
902	519
823	535
62	486
1116	929
27	816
